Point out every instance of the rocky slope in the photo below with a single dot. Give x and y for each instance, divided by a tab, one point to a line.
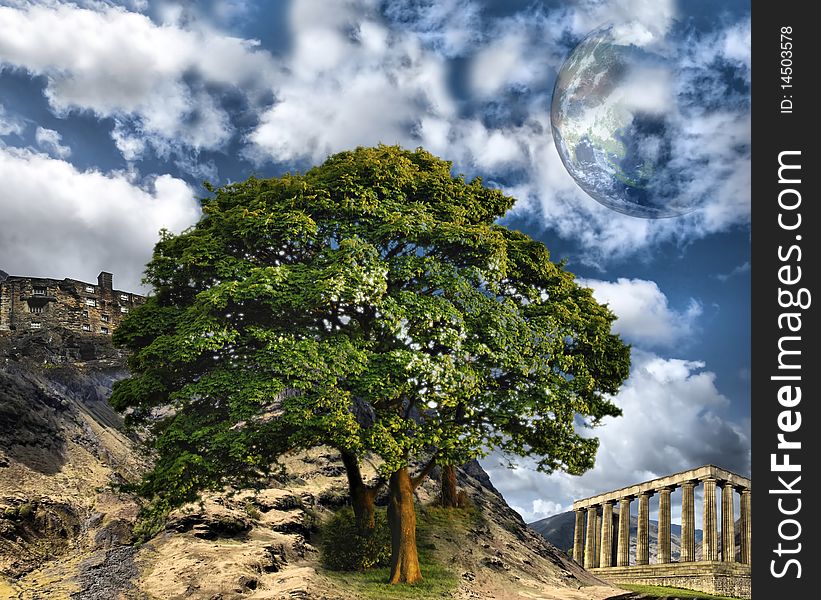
64	532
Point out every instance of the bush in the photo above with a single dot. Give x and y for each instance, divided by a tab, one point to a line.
25	510
345	549
150	521
252	511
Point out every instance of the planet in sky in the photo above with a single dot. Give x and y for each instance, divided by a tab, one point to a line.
614	118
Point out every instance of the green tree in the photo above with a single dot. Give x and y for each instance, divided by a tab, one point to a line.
374	305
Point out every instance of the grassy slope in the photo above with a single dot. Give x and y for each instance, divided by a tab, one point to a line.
438	580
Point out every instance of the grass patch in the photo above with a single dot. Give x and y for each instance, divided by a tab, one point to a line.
371	584
655	591
437	579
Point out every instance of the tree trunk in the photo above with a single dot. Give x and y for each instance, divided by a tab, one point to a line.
448	497
402	522
362	496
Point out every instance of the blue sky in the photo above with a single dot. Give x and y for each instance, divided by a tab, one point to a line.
113	113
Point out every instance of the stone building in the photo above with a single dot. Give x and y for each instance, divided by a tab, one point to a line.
30	303
604	549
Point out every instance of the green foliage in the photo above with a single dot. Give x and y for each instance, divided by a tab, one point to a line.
252	511
344	548
20	511
374	305
439	581
25	510
150	520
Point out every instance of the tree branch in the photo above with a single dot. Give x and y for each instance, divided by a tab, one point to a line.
415	481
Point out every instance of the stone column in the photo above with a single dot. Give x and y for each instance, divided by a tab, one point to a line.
664	525
709	544
727	523
643	531
596	537
590	542
623	550
578	536
746	526
606	546
688	522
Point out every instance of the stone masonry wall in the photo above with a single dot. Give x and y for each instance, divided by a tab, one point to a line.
725	579
31	303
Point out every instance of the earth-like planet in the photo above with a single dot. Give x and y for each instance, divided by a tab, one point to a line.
613	119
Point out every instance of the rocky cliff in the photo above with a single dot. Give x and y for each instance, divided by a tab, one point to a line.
66	533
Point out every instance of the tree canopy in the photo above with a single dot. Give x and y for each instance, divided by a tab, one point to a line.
372	304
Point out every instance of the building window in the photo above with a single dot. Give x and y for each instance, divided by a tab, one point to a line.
36	309
91	302
36	325
86	327
104	330
39	291
85	314
124	297
105	318
123	309
90	289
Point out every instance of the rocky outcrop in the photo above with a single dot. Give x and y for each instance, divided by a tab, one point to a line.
61	448
66	533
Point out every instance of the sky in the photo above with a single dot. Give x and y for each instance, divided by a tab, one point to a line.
113	114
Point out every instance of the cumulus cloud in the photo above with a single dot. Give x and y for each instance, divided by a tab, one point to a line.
674	418
353	82
151	79
644	314
50	141
362	72
540	509
72	223
404	86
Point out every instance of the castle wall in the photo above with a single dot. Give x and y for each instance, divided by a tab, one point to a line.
31	303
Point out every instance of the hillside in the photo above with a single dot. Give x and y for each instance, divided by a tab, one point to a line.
64	533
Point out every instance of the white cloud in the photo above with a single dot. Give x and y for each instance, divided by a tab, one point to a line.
450	27
673	419
501	63
739	270
10	124
640	22
59	221
116	63
350	77
352	83
540	509
644	315
49	141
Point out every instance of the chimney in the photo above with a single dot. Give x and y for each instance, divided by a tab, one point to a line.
105	280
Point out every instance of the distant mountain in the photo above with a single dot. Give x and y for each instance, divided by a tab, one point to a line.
559	530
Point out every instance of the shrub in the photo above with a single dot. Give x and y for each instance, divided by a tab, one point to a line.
345	549
252	511
25	510
150	521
